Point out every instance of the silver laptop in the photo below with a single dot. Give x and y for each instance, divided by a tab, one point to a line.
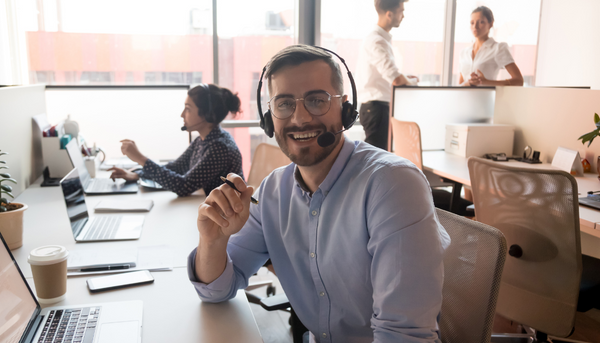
100	227
23	320
93	186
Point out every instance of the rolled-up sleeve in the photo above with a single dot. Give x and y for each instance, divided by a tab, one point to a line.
383	59
407	244
216	291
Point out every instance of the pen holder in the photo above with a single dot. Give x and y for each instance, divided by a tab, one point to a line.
92	163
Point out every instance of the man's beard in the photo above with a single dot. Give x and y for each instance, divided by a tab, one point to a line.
304	158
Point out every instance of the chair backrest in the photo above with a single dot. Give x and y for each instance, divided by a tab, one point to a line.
407	141
472	272
266	158
536	210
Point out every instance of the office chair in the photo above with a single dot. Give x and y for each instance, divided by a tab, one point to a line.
537	211
473	265
407	143
266	158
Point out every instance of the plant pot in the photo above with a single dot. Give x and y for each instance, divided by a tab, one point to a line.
11	226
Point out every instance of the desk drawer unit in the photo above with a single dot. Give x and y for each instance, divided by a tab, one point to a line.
472	139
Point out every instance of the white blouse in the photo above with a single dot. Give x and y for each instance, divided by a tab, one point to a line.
491	57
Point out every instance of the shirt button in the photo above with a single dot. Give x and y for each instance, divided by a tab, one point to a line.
322	294
312	255
314	213
324	335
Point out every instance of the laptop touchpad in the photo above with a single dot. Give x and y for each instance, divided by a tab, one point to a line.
124	332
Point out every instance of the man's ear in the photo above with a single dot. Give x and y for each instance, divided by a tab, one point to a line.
344	98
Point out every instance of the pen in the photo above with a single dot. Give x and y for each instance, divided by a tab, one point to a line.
99	269
254	201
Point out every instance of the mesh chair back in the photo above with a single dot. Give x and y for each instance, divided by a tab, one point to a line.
472	272
538	211
266	158
407	141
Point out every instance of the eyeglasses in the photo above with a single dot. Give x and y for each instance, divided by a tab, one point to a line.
317	104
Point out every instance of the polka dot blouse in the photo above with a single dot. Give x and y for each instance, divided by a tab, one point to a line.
200	166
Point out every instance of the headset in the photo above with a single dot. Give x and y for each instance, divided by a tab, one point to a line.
208	115
349	112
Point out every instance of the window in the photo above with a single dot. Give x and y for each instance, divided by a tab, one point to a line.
115	42
418	42
518	28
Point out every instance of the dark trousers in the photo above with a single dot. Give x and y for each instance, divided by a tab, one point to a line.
375	119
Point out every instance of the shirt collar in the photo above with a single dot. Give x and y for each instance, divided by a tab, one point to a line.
488	43
335	171
383	33
213	135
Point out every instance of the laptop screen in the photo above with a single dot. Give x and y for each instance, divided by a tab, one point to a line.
77	160
18	306
73	194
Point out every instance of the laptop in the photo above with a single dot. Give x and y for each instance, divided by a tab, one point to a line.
23	320
100	227
94	186
592	200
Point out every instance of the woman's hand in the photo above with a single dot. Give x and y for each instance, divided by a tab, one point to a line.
477	79
118	173
225	211
129	149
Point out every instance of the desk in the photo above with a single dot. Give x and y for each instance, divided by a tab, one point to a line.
173	312
455	168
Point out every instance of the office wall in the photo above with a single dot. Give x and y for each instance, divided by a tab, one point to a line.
569	44
546	118
17	107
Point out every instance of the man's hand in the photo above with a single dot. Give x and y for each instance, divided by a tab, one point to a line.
129	149
225	211
118	173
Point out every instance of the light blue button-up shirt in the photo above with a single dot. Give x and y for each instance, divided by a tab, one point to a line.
360	260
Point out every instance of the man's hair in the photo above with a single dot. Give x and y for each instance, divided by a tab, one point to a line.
486	12
383	6
297	54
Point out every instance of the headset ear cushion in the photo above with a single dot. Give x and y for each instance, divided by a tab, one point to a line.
349	115
266	124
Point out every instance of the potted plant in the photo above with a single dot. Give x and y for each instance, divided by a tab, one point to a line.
11	213
589	137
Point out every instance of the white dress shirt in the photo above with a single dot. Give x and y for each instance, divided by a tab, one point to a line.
491	57
376	68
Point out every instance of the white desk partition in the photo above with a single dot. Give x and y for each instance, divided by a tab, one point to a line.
433	107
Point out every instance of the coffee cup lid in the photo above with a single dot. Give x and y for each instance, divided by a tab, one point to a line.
48	254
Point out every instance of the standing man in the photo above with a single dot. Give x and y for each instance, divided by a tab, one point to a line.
377	72
350	229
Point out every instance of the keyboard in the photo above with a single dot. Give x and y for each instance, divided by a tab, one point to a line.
76	325
104	227
102	185
592	200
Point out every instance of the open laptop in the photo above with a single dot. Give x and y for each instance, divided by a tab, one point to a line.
100	227
23	320
94	186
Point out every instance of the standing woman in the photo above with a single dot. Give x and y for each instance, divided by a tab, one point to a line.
210	156
481	62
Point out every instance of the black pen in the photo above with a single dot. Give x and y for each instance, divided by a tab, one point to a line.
106	268
254	201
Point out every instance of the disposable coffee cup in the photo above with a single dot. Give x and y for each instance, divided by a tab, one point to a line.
49	268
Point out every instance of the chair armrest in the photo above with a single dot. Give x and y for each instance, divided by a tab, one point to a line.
276	302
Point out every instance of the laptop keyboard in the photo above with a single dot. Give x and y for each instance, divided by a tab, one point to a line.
102	185
104	227
75	325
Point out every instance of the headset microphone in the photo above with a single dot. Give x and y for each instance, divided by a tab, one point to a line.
328	138
184	128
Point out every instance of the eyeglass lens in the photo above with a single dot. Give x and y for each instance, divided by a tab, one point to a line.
316	104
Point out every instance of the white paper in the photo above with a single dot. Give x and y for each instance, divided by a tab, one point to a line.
42	121
124	206
152	258
567	160
122	162
96	258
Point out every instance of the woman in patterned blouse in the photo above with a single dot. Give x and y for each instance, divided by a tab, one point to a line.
210	156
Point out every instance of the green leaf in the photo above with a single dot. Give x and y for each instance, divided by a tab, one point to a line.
4	167
4	200
3	209
6	188
6	175
591	140
587	136
9	194
3	153
11	180
596	120
3	162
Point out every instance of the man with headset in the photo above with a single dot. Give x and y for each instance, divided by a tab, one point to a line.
350	229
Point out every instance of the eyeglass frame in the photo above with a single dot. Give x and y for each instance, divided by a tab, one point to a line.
303	104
